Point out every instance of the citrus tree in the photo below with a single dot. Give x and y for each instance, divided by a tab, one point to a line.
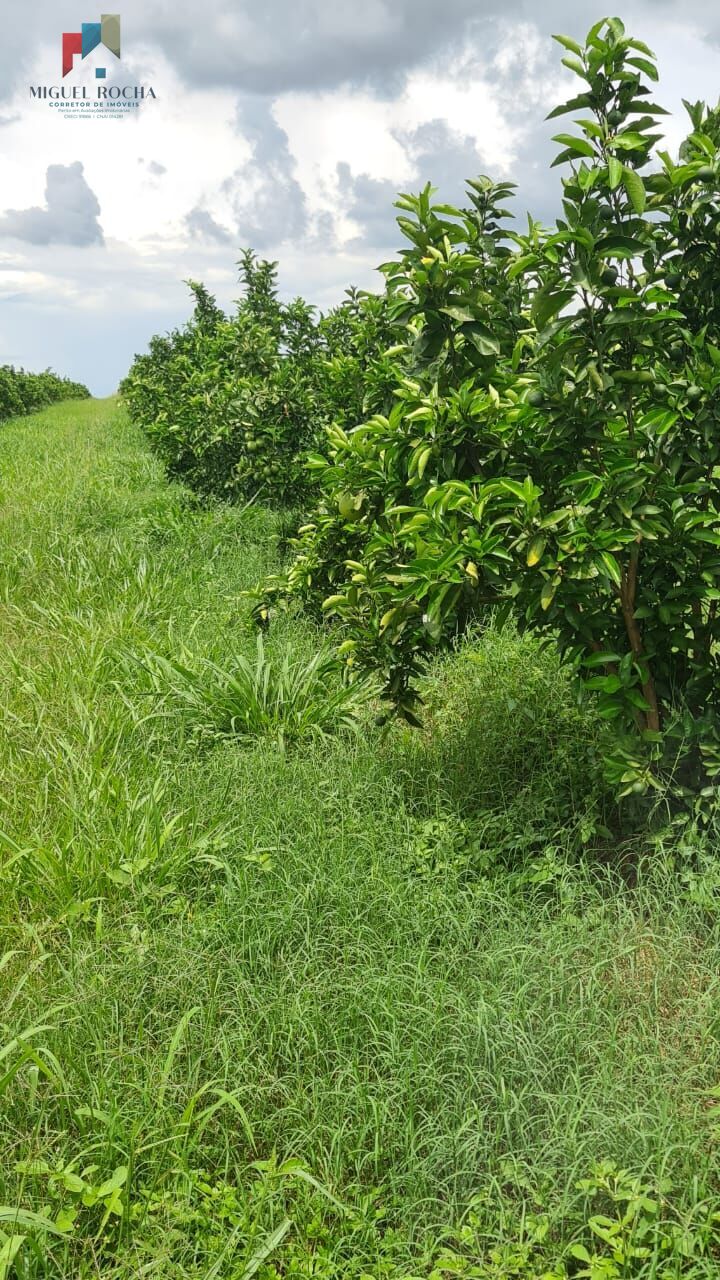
232	404
23	392
553	450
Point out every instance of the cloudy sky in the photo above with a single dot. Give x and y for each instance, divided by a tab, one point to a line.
288	126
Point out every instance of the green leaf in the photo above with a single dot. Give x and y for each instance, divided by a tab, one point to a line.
635	697
611	711
641	47
606	684
114	1182
9	1248
617	246
556	517
175	1041
631	141
580	145
658	420
635	188
268	1245
29	1220
522	264
615	172
423	460
591	127
563	157
593	33
642	64
612	567
72	1181
514	487
483	338
547	302
567	43
574	64
580	1252
649	108
573	104
535	550
547	595
461	314
601	659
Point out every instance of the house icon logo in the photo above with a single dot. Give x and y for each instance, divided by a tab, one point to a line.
106	32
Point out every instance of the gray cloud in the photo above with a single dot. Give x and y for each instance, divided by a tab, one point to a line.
443	159
153	166
308	44
305	44
70	215
369	202
284	44
267	198
202	226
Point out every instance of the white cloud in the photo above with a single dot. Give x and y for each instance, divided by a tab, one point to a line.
376	137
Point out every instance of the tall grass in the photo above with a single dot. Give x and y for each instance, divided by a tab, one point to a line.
356	987
290	699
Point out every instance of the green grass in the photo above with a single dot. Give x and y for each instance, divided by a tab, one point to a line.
394	957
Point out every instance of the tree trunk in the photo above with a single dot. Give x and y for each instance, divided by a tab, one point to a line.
628	588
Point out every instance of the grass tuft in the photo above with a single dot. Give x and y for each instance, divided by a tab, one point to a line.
289	699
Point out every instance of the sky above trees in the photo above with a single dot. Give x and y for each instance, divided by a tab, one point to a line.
288	127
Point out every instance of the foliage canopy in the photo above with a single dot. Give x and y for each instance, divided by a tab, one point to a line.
232	404
523	423
552	450
22	392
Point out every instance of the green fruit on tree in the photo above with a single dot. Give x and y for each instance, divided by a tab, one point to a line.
706	174
615	118
536	398
694	393
609	276
606	213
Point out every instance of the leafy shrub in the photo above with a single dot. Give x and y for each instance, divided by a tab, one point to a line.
553	449
232	405
288	700
506	746
22	392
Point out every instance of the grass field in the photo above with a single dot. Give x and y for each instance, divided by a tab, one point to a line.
325	1008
